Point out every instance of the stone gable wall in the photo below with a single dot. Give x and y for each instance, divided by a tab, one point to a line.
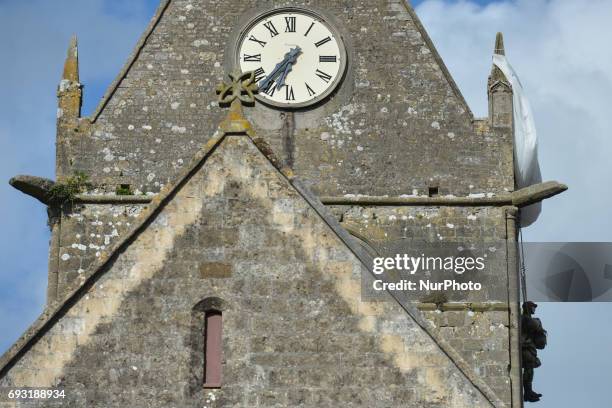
397	126
295	331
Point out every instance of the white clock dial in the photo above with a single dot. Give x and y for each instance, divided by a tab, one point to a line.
298	58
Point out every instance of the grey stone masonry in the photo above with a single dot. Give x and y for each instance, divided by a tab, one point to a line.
396	155
237	235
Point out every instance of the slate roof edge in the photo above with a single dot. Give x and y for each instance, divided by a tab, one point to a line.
438	57
159	13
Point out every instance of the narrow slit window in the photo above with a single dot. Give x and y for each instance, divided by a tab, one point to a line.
213	348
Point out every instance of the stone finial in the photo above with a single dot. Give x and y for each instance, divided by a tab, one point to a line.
70	91
496	75
240	91
499	91
71	66
499	44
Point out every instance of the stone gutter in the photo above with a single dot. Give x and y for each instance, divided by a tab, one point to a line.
519	198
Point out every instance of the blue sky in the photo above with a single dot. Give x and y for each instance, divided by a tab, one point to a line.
558	47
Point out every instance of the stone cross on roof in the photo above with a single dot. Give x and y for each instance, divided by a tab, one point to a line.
242	88
240	91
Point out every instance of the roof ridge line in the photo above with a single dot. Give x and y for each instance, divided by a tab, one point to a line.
161	9
437	57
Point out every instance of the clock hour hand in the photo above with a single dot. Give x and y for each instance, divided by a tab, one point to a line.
281	82
281	67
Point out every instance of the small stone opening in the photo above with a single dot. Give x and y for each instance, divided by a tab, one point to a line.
124	189
207	345
213	349
434	191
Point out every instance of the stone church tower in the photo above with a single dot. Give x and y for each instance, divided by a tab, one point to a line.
211	257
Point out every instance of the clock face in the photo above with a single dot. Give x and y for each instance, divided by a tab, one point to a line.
297	56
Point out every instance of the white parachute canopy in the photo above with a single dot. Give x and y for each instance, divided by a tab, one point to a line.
526	165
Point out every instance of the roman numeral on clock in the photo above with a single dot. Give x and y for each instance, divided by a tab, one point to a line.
259	74
311	91
325	77
308	31
270	26
323	41
289	95
252	58
327	58
262	43
270	89
291	22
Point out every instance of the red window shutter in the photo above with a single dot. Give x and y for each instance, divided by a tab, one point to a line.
213	350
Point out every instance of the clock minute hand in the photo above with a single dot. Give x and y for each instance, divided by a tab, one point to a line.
295	53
